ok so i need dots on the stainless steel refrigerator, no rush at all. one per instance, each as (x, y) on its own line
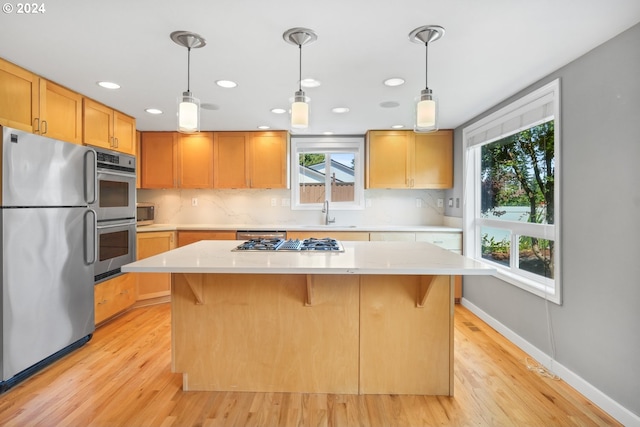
(47, 254)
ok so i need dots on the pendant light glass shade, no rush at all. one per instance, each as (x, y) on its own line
(300, 104)
(188, 113)
(188, 105)
(426, 112)
(299, 111)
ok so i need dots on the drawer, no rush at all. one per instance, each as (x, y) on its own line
(450, 241)
(114, 296)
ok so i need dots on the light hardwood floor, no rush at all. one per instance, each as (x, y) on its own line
(122, 377)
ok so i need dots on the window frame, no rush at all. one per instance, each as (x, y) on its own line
(328, 145)
(537, 107)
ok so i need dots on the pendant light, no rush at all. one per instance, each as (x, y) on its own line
(426, 118)
(300, 105)
(188, 105)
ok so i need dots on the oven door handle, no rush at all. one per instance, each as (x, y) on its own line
(91, 174)
(114, 173)
(127, 223)
(90, 233)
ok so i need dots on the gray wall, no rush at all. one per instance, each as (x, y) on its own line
(597, 328)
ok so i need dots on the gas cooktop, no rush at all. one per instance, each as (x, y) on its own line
(275, 244)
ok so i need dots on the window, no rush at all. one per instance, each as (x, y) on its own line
(512, 184)
(327, 168)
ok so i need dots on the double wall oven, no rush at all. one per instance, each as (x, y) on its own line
(115, 207)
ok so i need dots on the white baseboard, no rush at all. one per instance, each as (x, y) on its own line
(607, 404)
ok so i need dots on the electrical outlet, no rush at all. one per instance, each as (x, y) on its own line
(274, 201)
(418, 203)
(194, 201)
(440, 203)
(457, 202)
(451, 202)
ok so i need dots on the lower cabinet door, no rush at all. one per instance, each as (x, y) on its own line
(114, 296)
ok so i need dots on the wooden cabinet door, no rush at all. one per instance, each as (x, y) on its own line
(60, 112)
(188, 237)
(124, 133)
(114, 296)
(153, 285)
(230, 154)
(433, 160)
(158, 159)
(268, 160)
(19, 93)
(195, 158)
(97, 124)
(387, 154)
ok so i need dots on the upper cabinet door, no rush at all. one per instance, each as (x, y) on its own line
(98, 124)
(433, 165)
(60, 112)
(158, 159)
(230, 160)
(19, 93)
(195, 155)
(388, 157)
(268, 160)
(124, 133)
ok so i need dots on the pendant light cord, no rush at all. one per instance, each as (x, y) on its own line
(426, 65)
(188, 69)
(300, 69)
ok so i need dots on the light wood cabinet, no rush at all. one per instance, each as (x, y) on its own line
(188, 237)
(250, 159)
(114, 296)
(153, 285)
(19, 93)
(195, 158)
(60, 113)
(405, 159)
(158, 160)
(107, 128)
(36, 105)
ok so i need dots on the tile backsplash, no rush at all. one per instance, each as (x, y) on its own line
(255, 207)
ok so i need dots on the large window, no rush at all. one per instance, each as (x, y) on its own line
(512, 192)
(327, 168)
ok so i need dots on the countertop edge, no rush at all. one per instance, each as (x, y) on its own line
(292, 227)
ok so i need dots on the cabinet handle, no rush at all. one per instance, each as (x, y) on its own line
(104, 301)
(36, 125)
(46, 127)
(116, 141)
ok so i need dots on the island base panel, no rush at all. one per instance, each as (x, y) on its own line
(406, 348)
(254, 332)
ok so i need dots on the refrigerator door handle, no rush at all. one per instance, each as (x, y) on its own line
(91, 176)
(90, 237)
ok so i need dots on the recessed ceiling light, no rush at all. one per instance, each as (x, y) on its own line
(397, 126)
(394, 81)
(109, 85)
(264, 127)
(278, 110)
(340, 110)
(226, 83)
(389, 104)
(153, 111)
(309, 83)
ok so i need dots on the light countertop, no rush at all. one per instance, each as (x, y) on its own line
(398, 258)
(294, 227)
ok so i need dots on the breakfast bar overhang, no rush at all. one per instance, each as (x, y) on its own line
(374, 319)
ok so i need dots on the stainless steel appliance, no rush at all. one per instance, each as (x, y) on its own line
(47, 253)
(116, 186)
(115, 206)
(277, 244)
(145, 213)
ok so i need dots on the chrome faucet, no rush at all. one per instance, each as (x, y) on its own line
(325, 211)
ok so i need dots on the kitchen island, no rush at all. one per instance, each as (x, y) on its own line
(376, 318)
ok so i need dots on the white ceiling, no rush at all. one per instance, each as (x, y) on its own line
(491, 49)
